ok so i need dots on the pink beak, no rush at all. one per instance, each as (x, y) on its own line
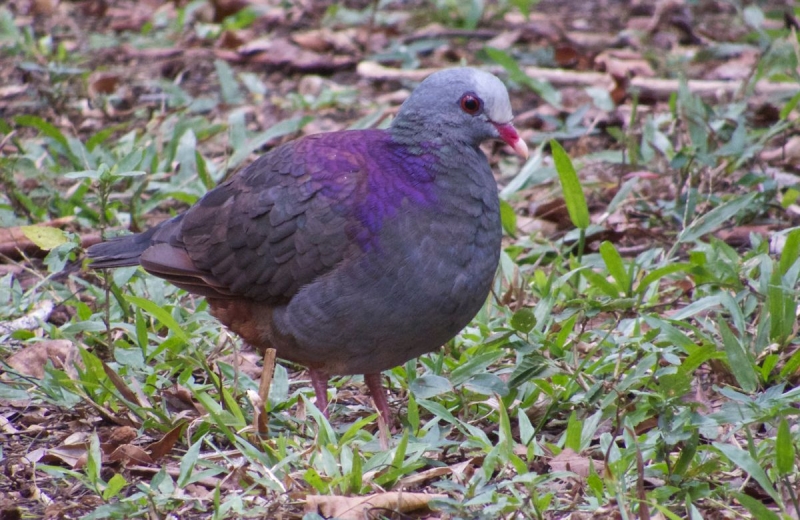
(509, 134)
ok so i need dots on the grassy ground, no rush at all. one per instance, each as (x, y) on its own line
(638, 357)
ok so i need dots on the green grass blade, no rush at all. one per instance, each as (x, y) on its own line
(571, 184)
(743, 460)
(791, 250)
(740, 363)
(712, 220)
(615, 266)
(160, 314)
(784, 449)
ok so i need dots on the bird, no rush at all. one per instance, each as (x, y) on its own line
(349, 252)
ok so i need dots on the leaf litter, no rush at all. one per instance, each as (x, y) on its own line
(603, 70)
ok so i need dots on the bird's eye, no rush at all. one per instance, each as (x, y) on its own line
(470, 104)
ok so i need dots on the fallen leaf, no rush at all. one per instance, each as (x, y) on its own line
(416, 479)
(566, 56)
(624, 64)
(736, 68)
(44, 7)
(554, 211)
(122, 435)
(789, 153)
(120, 385)
(355, 508)
(225, 8)
(128, 453)
(6, 426)
(280, 52)
(32, 359)
(317, 40)
(505, 39)
(8, 91)
(376, 71)
(739, 236)
(243, 361)
(70, 455)
(163, 446)
(103, 83)
(179, 399)
(568, 460)
(231, 39)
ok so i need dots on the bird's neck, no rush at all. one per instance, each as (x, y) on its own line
(421, 137)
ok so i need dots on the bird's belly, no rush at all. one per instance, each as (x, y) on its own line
(392, 304)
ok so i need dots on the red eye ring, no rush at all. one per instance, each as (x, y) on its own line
(470, 104)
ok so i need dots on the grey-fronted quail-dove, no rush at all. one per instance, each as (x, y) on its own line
(349, 252)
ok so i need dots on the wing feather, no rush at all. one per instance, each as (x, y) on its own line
(268, 231)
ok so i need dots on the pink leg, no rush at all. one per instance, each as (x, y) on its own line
(384, 415)
(319, 381)
(378, 395)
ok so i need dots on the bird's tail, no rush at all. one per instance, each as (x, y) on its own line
(125, 251)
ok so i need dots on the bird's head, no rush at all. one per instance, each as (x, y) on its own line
(467, 103)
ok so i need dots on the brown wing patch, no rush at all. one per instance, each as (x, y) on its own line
(174, 265)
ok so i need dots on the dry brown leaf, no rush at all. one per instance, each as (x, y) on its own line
(346, 40)
(230, 39)
(535, 226)
(646, 425)
(416, 479)
(141, 397)
(133, 16)
(355, 508)
(376, 71)
(44, 7)
(32, 359)
(624, 64)
(317, 40)
(55, 511)
(740, 235)
(164, 445)
(566, 56)
(201, 492)
(225, 8)
(245, 362)
(554, 210)
(154, 53)
(179, 399)
(120, 385)
(642, 174)
(94, 8)
(280, 52)
(103, 83)
(568, 460)
(8, 91)
(505, 39)
(788, 153)
(6, 426)
(128, 453)
(735, 68)
(122, 435)
(70, 455)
